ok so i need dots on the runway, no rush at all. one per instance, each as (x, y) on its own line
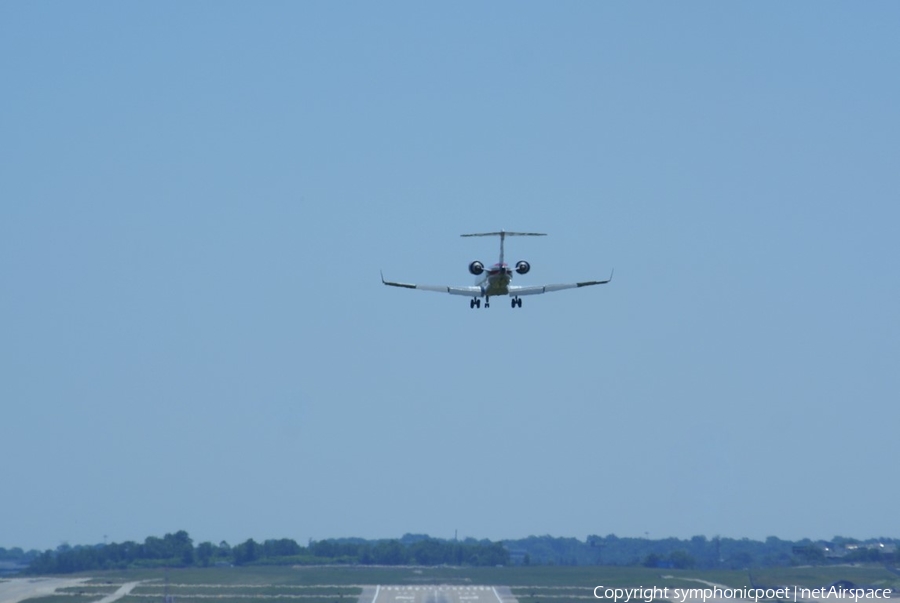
(436, 594)
(14, 590)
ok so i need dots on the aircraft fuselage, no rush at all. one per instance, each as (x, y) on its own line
(496, 280)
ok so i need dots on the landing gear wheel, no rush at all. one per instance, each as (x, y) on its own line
(471, 303)
(487, 303)
(516, 302)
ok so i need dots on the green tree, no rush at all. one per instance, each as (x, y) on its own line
(389, 553)
(682, 560)
(153, 548)
(284, 547)
(179, 546)
(205, 552)
(246, 552)
(430, 552)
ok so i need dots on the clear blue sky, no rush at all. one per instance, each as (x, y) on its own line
(196, 200)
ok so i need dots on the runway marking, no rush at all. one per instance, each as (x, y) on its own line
(434, 593)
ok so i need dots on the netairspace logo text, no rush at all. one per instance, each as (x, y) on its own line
(788, 593)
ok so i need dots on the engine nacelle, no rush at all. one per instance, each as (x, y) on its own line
(476, 267)
(522, 267)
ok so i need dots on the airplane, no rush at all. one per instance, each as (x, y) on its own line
(495, 280)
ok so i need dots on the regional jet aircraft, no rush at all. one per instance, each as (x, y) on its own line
(495, 280)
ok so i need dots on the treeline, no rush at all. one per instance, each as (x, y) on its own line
(178, 550)
(699, 552)
(17, 555)
(15, 559)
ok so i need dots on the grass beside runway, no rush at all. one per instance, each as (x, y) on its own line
(227, 597)
(343, 584)
(66, 598)
(815, 577)
(349, 576)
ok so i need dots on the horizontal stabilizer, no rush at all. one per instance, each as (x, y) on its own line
(503, 233)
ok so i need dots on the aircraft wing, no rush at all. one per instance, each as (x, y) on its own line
(467, 291)
(538, 289)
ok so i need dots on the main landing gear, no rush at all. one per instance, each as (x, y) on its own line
(476, 302)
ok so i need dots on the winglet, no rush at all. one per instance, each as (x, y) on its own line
(609, 279)
(382, 277)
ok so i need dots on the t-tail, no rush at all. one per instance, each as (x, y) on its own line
(503, 234)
